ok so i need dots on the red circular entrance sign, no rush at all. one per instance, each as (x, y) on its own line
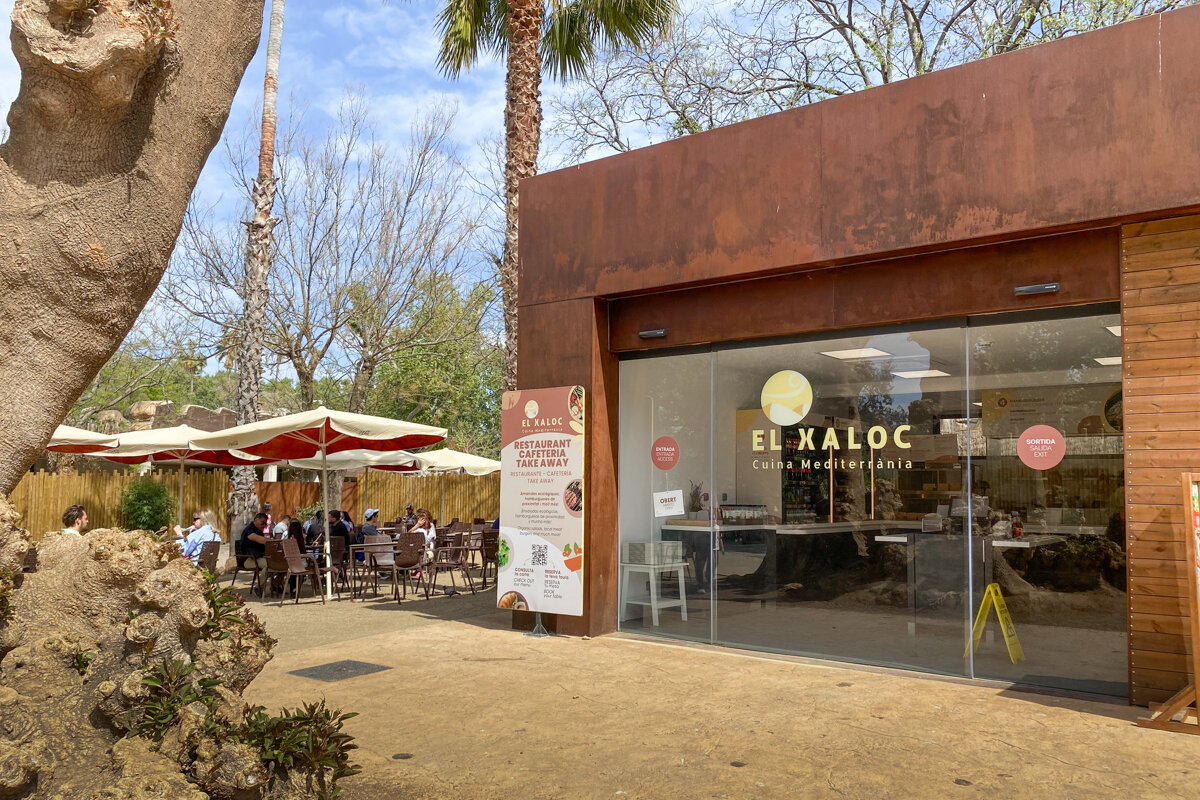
(664, 452)
(1041, 447)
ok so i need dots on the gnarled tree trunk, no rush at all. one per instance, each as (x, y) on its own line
(116, 115)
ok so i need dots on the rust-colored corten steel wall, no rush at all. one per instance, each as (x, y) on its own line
(1160, 354)
(1099, 127)
(931, 197)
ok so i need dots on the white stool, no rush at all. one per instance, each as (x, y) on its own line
(656, 602)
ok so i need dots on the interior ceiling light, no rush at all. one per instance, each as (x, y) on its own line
(861, 352)
(1109, 361)
(922, 373)
(1115, 330)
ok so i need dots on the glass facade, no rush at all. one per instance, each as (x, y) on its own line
(872, 496)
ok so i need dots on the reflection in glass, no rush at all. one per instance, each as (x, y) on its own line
(853, 497)
(665, 475)
(1054, 528)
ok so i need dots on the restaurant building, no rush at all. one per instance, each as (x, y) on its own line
(894, 348)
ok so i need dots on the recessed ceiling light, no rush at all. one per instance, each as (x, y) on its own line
(861, 352)
(1109, 361)
(1115, 330)
(922, 373)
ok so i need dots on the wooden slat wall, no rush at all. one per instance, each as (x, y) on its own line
(466, 496)
(1160, 342)
(41, 497)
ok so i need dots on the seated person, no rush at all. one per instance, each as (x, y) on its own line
(203, 529)
(423, 524)
(338, 526)
(296, 531)
(253, 543)
(280, 529)
(315, 525)
(409, 516)
(369, 526)
(74, 521)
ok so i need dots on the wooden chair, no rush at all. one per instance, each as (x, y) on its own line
(379, 558)
(209, 553)
(449, 558)
(239, 566)
(283, 559)
(338, 553)
(490, 550)
(291, 549)
(409, 558)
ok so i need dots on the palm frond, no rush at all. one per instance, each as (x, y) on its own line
(467, 28)
(575, 29)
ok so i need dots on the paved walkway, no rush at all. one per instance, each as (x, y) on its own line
(469, 709)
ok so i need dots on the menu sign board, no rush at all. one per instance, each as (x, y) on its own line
(540, 555)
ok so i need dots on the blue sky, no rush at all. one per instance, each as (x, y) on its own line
(387, 47)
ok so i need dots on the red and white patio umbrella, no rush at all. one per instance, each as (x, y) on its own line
(173, 445)
(321, 433)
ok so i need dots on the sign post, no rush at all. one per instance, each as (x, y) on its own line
(540, 554)
(1179, 714)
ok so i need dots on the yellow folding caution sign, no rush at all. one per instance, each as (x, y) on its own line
(992, 597)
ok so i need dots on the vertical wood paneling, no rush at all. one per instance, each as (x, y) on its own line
(447, 497)
(41, 497)
(1160, 359)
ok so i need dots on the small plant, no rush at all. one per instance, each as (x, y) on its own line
(172, 688)
(309, 738)
(225, 608)
(82, 659)
(308, 512)
(145, 505)
(6, 590)
(80, 13)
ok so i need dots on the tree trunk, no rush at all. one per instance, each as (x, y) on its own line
(523, 128)
(360, 384)
(108, 135)
(243, 499)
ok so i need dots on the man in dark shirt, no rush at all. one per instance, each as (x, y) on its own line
(253, 546)
(338, 525)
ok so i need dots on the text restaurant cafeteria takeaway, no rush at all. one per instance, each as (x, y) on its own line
(915, 356)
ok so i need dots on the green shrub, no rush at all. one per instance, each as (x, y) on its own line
(172, 688)
(146, 505)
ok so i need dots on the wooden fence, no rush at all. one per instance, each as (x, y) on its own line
(41, 497)
(446, 496)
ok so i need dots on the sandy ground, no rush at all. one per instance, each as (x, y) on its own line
(470, 709)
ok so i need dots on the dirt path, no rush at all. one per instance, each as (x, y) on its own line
(469, 709)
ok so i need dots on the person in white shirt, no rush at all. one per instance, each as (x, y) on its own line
(424, 525)
(281, 528)
(203, 529)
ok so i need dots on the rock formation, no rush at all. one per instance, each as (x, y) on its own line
(120, 674)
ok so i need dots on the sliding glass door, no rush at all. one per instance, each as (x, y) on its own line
(871, 496)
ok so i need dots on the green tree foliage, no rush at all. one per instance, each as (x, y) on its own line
(146, 505)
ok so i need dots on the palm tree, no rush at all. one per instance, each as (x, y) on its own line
(560, 35)
(243, 499)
